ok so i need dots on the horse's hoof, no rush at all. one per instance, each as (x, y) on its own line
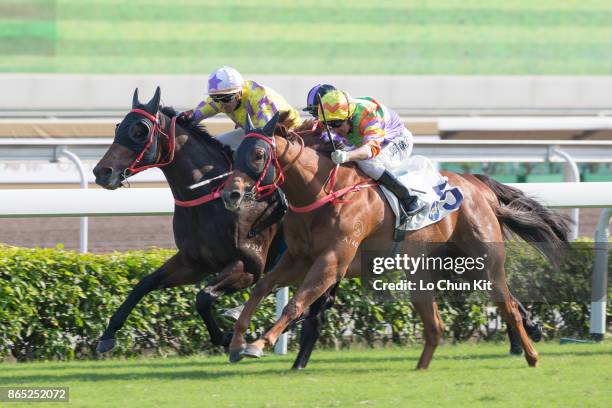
(235, 356)
(233, 313)
(518, 351)
(105, 345)
(252, 351)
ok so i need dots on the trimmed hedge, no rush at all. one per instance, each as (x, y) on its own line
(54, 304)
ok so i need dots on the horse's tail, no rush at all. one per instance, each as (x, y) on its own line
(545, 229)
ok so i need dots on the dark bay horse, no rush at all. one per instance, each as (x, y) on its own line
(211, 241)
(319, 255)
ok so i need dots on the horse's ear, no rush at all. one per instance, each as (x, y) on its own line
(248, 126)
(283, 131)
(268, 130)
(153, 105)
(135, 101)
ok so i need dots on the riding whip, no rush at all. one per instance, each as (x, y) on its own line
(329, 135)
(208, 181)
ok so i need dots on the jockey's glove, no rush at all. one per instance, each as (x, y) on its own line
(339, 156)
(184, 117)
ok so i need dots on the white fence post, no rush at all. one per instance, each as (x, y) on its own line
(84, 224)
(599, 286)
(570, 173)
(282, 296)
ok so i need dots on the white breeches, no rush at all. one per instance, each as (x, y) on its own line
(393, 157)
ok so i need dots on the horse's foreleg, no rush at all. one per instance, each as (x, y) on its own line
(283, 274)
(231, 279)
(433, 329)
(321, 276)
(175, 272)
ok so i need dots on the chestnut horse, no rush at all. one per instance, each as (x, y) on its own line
(318, 254)
(211, 241)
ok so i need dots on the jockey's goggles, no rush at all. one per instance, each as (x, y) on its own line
(223, 98)
(336, 123)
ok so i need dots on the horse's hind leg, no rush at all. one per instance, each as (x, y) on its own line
(433, 329)
(533, 329)
(311, 326)
(510, 313)
(232, 279)
(175, 272)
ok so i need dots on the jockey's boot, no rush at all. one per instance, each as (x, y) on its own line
(410, 203)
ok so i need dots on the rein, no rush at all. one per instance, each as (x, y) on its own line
(332, 197)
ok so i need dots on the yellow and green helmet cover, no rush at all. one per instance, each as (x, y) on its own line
(336, 105)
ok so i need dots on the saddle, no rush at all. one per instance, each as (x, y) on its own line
(440, 199)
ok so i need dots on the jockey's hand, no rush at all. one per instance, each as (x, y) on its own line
(339, 156)
(185, 117)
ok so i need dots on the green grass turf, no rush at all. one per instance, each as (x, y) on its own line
(464, 375)
(307, 37)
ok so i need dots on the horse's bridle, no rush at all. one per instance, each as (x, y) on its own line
(170, 143)
(259, 191)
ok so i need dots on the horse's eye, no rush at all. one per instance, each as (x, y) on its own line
(139, 132)
(259, 155)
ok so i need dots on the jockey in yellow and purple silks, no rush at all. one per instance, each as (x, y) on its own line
(376, 140)
(229, 93)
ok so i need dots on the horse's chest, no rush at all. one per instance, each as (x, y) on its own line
(307, 235)
(298, 235)
(209, 241)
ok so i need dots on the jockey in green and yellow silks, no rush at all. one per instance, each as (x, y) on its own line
(375, 138)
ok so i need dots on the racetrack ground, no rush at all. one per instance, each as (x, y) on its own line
(464, 375)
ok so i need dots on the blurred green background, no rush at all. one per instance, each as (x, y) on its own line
(307, 37)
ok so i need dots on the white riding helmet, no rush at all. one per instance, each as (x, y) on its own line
(225, 80)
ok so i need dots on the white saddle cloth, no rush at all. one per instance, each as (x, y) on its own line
(440, 199)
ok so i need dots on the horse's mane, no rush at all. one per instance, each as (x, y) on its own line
(194, 129)
(309, 125)
(311, 132)
(311, 135)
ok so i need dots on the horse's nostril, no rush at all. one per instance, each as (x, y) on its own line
(103, 173)
(235, 196)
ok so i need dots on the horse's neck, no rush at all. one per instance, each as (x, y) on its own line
(194, 160)
(305, 180)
